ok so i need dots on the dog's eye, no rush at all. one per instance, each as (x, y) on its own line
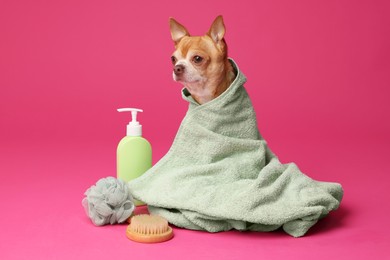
(173, 59)
(197, 59)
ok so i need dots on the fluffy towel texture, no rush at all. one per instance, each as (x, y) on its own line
(220, 174)
(109, 201)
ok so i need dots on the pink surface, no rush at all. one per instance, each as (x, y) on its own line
(318, 75)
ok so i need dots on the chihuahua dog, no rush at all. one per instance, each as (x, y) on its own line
(201, 62)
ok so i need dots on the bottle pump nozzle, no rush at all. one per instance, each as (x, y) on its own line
(133, 128)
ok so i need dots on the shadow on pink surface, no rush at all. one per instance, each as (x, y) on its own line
(336, 220)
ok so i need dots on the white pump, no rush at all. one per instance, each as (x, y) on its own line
(133, 128)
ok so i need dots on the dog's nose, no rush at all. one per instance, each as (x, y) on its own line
(179, 69)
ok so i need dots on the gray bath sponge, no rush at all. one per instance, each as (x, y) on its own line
(108, 201)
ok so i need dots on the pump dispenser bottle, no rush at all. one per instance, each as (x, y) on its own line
(134, 153)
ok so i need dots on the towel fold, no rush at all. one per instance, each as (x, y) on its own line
(219, 174)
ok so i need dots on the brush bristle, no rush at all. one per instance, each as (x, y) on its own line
(148, 224)
(149, 229)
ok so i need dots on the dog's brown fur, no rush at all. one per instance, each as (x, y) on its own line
(201, 62)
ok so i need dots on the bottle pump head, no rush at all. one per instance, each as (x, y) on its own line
(133, 128)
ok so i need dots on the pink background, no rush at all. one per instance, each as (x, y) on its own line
(318, 75)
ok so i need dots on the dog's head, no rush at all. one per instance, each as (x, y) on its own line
(199, 62)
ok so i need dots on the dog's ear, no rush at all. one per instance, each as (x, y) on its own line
(178, 31)
(217, 30)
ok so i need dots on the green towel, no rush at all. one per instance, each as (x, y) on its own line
(219, 174)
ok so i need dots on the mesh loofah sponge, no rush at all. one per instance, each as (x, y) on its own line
(108, 201)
